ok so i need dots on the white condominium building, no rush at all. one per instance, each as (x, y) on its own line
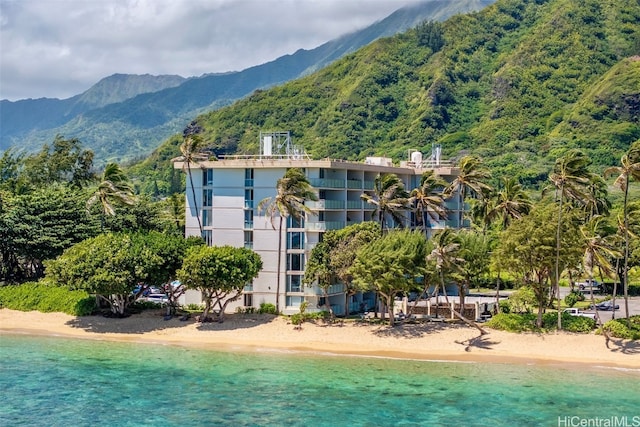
(227, 192)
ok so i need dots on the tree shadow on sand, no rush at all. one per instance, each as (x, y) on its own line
(479, 342)
(412, 330)
(154, 321)
(619, 345)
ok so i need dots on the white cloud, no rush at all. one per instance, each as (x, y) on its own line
(59, 48)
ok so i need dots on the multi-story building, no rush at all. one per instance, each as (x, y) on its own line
(227, 192)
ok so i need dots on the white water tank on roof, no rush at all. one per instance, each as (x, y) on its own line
(416, 158)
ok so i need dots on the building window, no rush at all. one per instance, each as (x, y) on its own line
(248, 177)
(248, 198)
(294, 283)
(207, 177)
(207, 218)
(294, 301)
(207, 235)
(248, 239)
(295, 262)
(248, 300)
(248, 219)
(207, 197)
(295, 240)
(295, 222)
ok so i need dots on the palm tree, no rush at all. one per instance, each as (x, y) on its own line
(598, 201)
(629, 169)
(114, 188)
(569, 177)
(511, 202)
(292, 190)
(428, 199)
(390, 199)
(598, 250)
(446, 246)
(190, 149)
(470, 180)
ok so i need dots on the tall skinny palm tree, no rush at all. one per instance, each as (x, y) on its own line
(390, 199)
(470, 180)
(292, 190)
(190, 149)
(629, 170)
(113, 189)
(429, 200)
(570, 177)
(511, 202)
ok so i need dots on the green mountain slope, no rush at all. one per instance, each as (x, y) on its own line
(505, 85)
(130, 126)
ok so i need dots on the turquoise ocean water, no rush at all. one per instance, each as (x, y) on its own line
(50, 381)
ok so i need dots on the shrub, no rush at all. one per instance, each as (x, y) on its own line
(267, 308)
(527, 322)
(573, 297)
(513, 322)
(46, 298)
(619, 328)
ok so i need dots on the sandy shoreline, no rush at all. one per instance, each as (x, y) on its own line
(431, 341)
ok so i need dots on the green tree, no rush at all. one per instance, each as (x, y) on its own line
(331, 259)
(292, 191)
(390, 199)
(470, 180)
(41, 224)
(627, 171)
(598, 250)
(64, 162)
(474, 250)
(429, 200)
(112, 265)
(390, 265)
(527, 249)
(220, 273)
(570, 177)
(113, 189)
(511, 202)
(446, 256)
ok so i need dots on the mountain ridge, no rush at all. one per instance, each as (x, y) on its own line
(132, 127)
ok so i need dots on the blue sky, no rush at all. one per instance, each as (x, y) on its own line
(60, 48)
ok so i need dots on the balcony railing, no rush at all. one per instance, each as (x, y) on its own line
(248, 204)
(248, 224)
(327, 183)
(248, 183)
(354, 204)
(324, 225)
(354, 184)
(368, 185)
(325, 204)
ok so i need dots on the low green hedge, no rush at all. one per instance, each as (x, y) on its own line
(620, 329)
(47, 299)
(527, 322)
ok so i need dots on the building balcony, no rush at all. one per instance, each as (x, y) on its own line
(248, 224)
(324, 225)
(354, 204)
(327, 183)
(248, 183)
(324, 204)
(248, 204)
(354, 184)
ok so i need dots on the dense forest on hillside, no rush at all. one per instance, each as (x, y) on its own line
(517, 83)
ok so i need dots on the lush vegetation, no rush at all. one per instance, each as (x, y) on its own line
(620, 328)
(517, 84)
(40, 296)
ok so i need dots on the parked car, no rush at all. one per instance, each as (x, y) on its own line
(606, 306)
(576, 312)
(589, 285)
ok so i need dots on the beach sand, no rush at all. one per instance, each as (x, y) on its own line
(428, 341)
